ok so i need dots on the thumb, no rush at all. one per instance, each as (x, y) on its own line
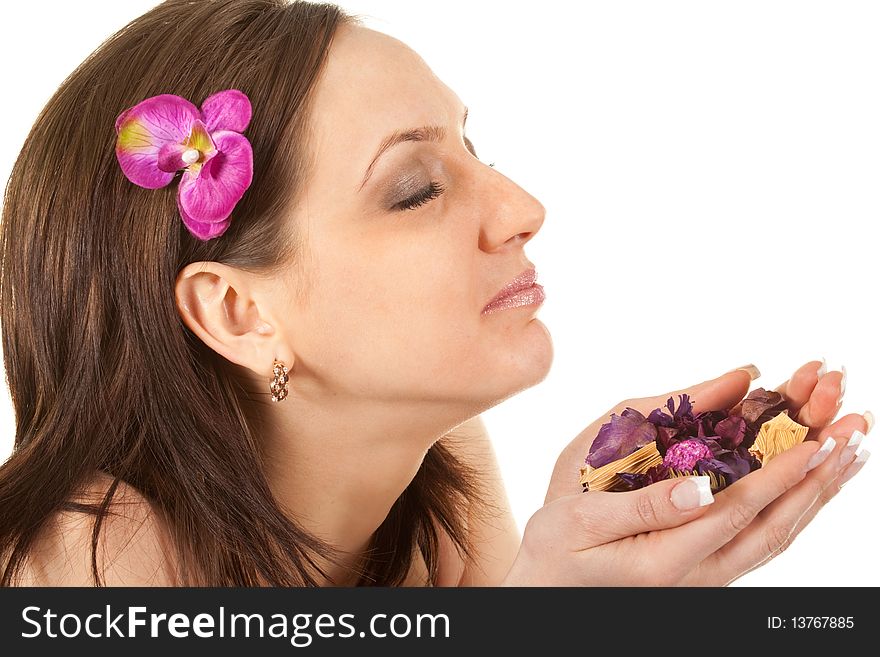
(610, 517)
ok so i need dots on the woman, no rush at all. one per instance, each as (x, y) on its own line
(372, 255)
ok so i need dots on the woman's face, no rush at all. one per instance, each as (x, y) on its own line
(394, 296)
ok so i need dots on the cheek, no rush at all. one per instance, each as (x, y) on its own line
(404, 312)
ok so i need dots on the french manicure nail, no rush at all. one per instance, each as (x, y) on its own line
(819, 457)
(842, 384)
(693, 492)
(855, 466)
(753, 371)
(869, 420)
(823, 368)
(850, 448)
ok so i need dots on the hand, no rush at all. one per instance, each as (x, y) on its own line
(661, 534)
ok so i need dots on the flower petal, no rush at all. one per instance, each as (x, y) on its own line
(200, 139)
(203, 231)
(757, 403)
(210, 195)
(620, 437)
(732, 430)
(171, 157)
(227, 110)
(142, 130)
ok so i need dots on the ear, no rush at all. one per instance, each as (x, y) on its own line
(220, 305)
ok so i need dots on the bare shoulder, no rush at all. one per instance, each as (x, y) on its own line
(494, 534)
(134, 547)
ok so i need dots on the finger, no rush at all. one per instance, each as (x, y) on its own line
(776, 527)
(822, 406)
(797, 390)
(720, 393)
(604, 516)
(739, 504)
(720, 568)
(813, 396)
(845, 427)
(853, 457)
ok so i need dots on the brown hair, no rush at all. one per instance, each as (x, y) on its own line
(103, 373)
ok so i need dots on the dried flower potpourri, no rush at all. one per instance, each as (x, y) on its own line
(632, 451)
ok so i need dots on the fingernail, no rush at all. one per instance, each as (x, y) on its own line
(823, 368)
(819, 457)
(869, 420)
(842, 384)
(693, 492)
(753, 371)
(855, 466)
(850, 448)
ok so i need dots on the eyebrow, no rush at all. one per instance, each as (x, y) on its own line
(424, 133)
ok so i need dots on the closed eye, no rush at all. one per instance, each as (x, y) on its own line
(434, 189)
(429, 193)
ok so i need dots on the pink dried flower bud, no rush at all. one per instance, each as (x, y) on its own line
(685, 454)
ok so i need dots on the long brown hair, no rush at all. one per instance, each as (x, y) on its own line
(104, 375)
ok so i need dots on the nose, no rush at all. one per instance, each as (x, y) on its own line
(512, 215)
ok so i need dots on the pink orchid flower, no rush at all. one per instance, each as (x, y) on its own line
(166, 133)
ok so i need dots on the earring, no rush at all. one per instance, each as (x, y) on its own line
(278, 386)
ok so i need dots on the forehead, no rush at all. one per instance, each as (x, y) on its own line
(373, 84)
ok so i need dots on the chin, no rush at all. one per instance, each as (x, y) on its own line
(521, 368)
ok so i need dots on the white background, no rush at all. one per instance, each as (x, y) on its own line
(710, 172)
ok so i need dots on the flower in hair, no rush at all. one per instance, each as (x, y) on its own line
(166, 133)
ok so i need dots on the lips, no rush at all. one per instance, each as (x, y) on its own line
(522, 290)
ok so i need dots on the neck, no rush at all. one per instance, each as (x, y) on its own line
(337, 465)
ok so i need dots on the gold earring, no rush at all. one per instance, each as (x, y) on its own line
(278, 386)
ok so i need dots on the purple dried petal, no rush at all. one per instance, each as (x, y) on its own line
(712, 442)
(731, 430)
(685, 408)
(719, 467)
(757, 403)
(731, 465)
(681, 417)
(666, 437)
(661, 419)
(680, 425)
(741, 461)
(707, 422)
(629, 481)
(620, 437)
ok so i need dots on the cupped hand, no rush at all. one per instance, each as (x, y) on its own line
(668, 533)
